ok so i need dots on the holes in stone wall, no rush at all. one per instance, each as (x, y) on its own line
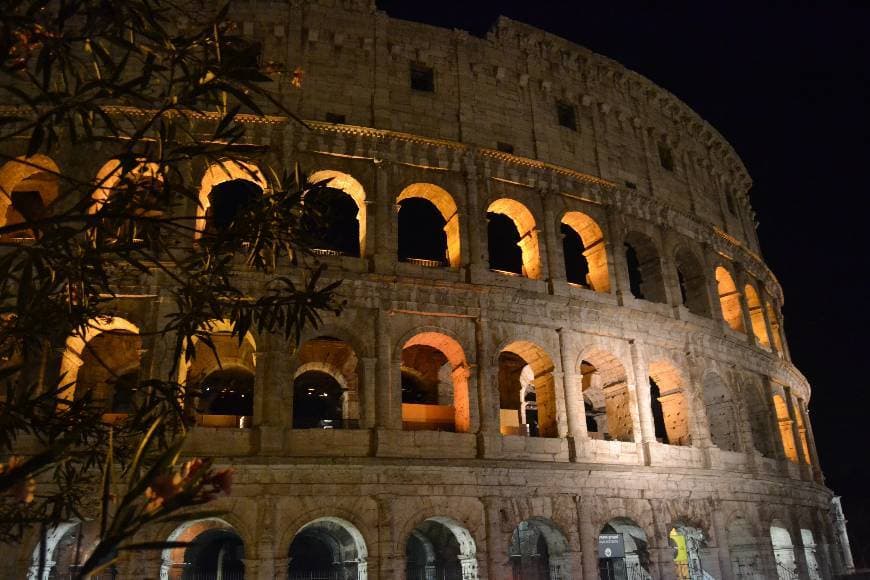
(721, 413)
(566, 115)
(422, 77)
(666, 157)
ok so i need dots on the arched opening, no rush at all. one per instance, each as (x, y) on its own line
(775, 328)
(670, 408)
(326, 385)
(693, 283)
(783, 552)
(606, 398)
(756, 316)
(512, 239)
(213, 550)
(785, 428)
(28, 188)
(814, 572)
(440, 548)
(329, 548)
(428, 226)
(342, 201)
(103, 364)
(757, 409)
(435, 394)
(539, 551)
(527, 392)
(585, 252)
(687, 542)
(746, 560)
(623, 551)
(220, 378)
(802, 431)
(729, 300)
(67, 547)
(227, 188)
(721, 413)
(644, 268)
(144, 194)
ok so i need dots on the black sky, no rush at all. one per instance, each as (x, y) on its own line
(789, 87)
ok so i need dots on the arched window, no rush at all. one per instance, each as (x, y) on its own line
(721, 413)
(693, 283)
(67, 547)
(785, 428)
(606, 397)
(512, 239)
(220, 378)
(143, 189)
(729, 299)
(644, 268)
(746, 560)
(103, 365)
(668, 398)
(428, 226)
(328, 548)
(28, 188)
(440, 548)
(326, 385)
(226, 189)
(527, 392)
(434, 384)
(341, 201)
(585, 252)
(775, 328)
(756, 316)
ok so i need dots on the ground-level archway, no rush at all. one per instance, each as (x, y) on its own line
(539, 551)
(213, 550)
(329, 548)
(783, 552)
(623, 551)
(441, 548)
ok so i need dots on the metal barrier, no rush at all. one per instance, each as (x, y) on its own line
(452, 571)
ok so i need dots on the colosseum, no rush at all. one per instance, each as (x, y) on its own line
(562, 355)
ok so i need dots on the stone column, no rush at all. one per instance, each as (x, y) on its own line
(487, 389)
(588, 537)
(368, 392)
(811, 441)
(384, 259)
(476, 235)
(803, 460)
(574, 408)
(622, 286)
(385, 412)
(642, 400)
(555, 260)
(778, 446)
(768, 324)
(744, 306)
(723, 552)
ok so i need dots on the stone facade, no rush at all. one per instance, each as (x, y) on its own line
(678, 412)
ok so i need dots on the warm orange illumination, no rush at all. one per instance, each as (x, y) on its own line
(445, 205)
(672, 397)
(606, 399)
(594, 248)
(37, 174)
(353, 188)
(525, 369)
(525, 224)
(756, 316)
(785, 428)
(217, 173)
(775, 328)
(729, 299)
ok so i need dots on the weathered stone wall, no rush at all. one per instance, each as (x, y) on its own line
(727, 475)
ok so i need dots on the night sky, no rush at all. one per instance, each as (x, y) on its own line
(789, 88)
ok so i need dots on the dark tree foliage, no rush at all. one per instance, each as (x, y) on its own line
(160, 86)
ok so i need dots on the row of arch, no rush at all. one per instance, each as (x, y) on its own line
(428, 233)
(440, 547)
(600, 399)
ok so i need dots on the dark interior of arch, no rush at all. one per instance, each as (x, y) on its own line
(26, 206)
(417, 390)
(503, 242)
(693, 284)
(317, 401)
(576, 264)
(635, 275)
(432, 548)
(227, 392)
(529, 553)
(333, 225)
(323, 550)
(215, 552)
(421, 231)
(228, 200)
(589, 410)
(658, 415)
(125, 392)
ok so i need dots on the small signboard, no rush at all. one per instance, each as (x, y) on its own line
(611, 546)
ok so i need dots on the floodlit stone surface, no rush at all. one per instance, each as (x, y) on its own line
(471, 414)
